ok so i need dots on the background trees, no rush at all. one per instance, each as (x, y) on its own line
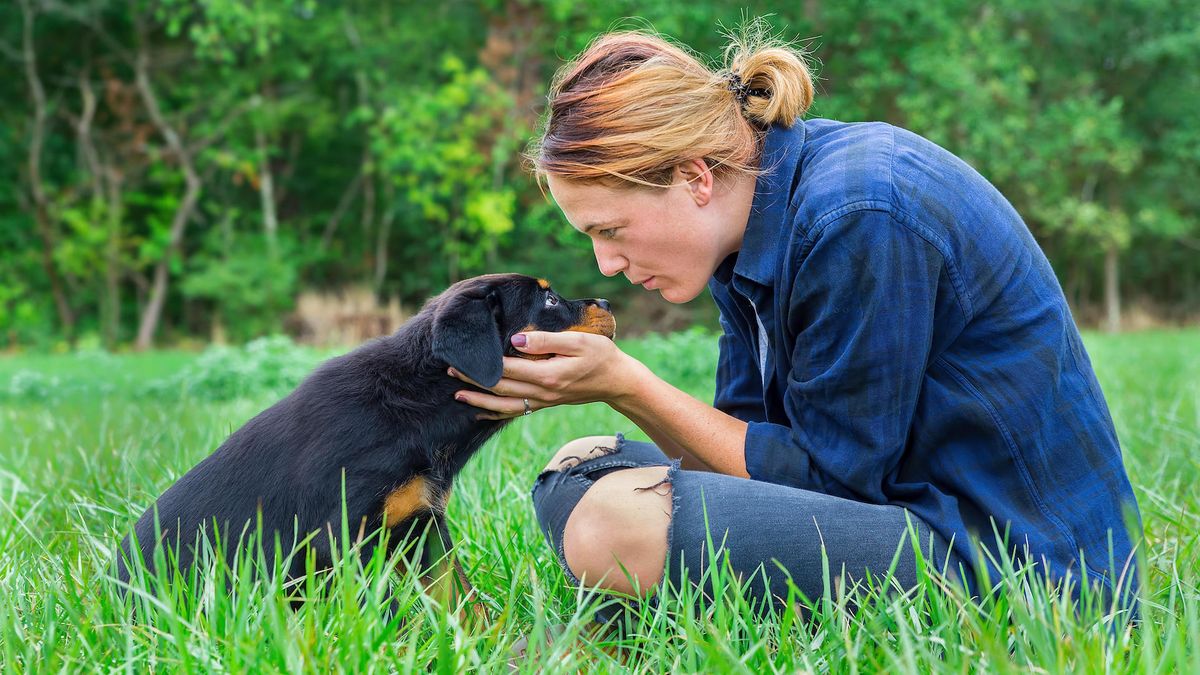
(170, 168)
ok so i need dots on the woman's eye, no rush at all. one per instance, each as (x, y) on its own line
(551, 301)
(609, 233)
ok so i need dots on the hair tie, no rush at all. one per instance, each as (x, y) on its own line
(742, 91)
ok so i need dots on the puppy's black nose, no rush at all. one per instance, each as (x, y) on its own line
(601, 303)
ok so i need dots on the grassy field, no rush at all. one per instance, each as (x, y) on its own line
(88, 440)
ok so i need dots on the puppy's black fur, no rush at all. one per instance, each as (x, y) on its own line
(383, 415)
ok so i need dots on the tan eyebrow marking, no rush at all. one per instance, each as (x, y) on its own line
(544, 284)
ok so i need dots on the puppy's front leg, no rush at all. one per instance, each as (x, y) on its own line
(444, 579)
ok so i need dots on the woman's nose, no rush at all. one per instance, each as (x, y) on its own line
(610, 263)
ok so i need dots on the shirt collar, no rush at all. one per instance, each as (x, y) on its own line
(767, 226)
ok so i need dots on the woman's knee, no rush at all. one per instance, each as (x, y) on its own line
(581, 450)
(617, 535)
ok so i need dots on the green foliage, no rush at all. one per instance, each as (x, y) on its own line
(378, 143)
(445, 148)
(21, 314)
(220, 28)
(31, 385)
(684, 358)
(249, 286)
(264, 367)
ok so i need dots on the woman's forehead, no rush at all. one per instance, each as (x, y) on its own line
(577, 193)
(586, 203)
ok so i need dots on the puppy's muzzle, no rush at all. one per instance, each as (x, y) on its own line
(597, 319)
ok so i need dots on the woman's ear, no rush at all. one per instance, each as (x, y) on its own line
(699, 179)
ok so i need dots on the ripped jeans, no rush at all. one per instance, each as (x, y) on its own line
(760, 526)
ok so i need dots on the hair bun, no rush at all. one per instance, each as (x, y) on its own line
(774, 75)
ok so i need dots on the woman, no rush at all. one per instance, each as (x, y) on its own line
(896, 347)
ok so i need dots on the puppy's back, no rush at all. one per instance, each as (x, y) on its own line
(264, 468)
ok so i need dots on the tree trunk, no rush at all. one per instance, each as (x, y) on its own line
(385, 228)
(105, 182)
(218, 329)
(368, 216)
(343, 205)
(41, 209)
(266, 192)
(1071, 287)
(152, 313)
(112, 262)
(1112, 295)
(158, 289)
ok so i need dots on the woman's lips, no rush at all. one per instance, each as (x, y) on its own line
(647, 282)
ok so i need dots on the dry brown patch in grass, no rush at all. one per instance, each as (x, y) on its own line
(348, 316)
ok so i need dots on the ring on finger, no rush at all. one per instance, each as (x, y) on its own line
(528, 410)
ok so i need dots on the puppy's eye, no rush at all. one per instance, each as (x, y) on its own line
(551, 301)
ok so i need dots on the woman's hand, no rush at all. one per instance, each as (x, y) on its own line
(585, 368)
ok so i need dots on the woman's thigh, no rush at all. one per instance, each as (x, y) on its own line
(769, 533)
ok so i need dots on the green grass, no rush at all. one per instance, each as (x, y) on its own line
(87, 441)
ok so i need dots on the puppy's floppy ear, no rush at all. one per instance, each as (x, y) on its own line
(466, 335)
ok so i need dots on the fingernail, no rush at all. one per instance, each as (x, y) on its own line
(460, 398)
(452, 372)
(519, 340)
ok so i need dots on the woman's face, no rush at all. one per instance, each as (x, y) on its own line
(670, 239)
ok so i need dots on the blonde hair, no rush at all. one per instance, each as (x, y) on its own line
(633, 105)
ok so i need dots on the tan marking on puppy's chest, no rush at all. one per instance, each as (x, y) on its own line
(406, 500)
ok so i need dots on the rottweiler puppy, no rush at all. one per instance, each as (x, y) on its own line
(381, 418)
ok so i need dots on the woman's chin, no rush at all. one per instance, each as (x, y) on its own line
(676, 295)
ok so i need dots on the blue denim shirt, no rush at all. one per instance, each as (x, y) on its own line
(894, 335)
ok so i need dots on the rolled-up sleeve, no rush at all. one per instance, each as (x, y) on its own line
(861, 308)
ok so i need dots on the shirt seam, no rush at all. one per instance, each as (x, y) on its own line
(965, 301)
(902, 219)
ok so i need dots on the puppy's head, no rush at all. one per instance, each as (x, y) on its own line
(474, 319)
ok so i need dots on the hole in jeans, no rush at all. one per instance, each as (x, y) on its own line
(603, 451)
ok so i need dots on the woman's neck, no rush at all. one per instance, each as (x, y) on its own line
(737, 198)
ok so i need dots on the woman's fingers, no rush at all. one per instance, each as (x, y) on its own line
(506, 387)
(453, 372)
(495, 407)
(541, 342)
(527, 370)
(544, 382)
(505, 400)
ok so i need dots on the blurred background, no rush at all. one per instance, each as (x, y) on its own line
(175, 173)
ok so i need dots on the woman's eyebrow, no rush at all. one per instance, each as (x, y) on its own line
(609, 223)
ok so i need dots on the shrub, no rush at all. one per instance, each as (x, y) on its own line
(269, 365)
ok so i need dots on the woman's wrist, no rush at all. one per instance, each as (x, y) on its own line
(631, 376)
